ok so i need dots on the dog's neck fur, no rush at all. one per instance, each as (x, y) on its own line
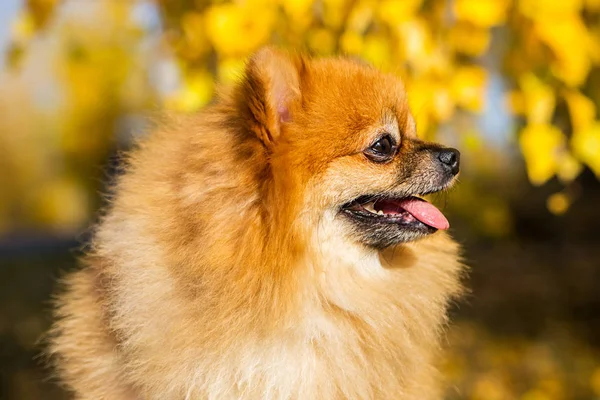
(355, 317)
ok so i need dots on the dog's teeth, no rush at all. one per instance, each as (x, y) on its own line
(380, 212)
(369, 207)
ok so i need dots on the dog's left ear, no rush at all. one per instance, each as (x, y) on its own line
(271, 92)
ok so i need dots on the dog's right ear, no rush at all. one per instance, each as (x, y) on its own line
(271, 92)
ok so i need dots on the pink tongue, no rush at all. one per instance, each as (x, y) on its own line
(425, 212)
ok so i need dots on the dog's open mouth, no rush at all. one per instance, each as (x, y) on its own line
(402, 211)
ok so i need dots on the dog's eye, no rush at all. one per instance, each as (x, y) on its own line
(382, 150)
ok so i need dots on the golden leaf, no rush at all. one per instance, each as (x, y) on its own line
(415, 40)
(570, 41)
(394, 12)
(321, 41)
(377, 49)
(297, 8)
(468, 87)
(558, 204)
(581, 109)
(443, 104)
(352, 43)
(235, 30)
(333, 13)
(586, 146)
(420, 102)
(469, 39)
(515, 101)
(361, 16)
(541, 145)
(568, 168)
(539, 99)
(195, 93)
(23, 27)
(196, 42)
(485, 13)
(545, 10)
(54, 195)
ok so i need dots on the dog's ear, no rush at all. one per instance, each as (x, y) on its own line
(271, 92)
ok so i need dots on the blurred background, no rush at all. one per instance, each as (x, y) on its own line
(514, 84)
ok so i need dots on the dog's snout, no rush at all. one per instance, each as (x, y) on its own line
(450, 158)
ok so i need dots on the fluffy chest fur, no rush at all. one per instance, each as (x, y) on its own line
(358, 325)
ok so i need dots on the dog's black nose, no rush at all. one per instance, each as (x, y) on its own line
(450, 158)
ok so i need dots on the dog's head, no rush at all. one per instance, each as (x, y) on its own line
(339, 136)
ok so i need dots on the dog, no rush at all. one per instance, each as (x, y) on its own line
(273, 246)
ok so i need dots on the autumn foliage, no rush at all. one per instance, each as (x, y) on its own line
(542, 57)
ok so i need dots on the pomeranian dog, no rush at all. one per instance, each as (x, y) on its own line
(272, 246)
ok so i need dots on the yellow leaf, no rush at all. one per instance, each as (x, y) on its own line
(558, 204)
(485, 13)
(63, 203)
(568, 168)
(544, 9)
(581, 109)
(195, 93)
(299, 11)
(297, 8)
(572, 68)
(321, 41)
(337, 4)
(443, 104)
(377, 50)
(570, 41)
(415, 39)
(436, 62)
(586, 146)
(469, 39)
(360, 16)
(235, 30)
(23, 27)
(352, 43)
(421, 102)
(468, 87)
(196, 42)
(541, 145)
(418, 48)
(393, 12)
(333, 13)
(223, 25)
(516, 102)
(539, 99)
